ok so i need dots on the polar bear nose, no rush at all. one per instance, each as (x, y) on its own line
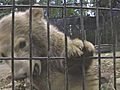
(36, 71)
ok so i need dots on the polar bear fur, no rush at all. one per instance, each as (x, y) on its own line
(78, 51)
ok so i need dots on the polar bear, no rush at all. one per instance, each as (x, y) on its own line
(78, 52)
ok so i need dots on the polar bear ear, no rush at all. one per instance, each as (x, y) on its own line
(37, 13)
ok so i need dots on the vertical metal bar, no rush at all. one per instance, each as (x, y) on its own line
(98, 38)
(82, 20)
(12, 42)
(48, 35)
(83, 38)
(66, 50)
(114, 42)
(30, 44)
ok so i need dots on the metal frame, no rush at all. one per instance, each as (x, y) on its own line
(81, 7)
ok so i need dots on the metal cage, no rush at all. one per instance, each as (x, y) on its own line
(101, 29)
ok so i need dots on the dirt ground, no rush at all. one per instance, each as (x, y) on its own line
(107, 74)
(6, 80)
(107, 71)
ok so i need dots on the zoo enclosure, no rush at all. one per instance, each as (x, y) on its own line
(100, 26)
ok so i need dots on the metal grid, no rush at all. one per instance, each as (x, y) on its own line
(64, 7)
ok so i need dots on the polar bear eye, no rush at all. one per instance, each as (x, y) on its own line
(22, 44)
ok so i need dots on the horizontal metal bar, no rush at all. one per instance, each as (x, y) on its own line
(35, 58)
(57, 6)
(53, 58)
